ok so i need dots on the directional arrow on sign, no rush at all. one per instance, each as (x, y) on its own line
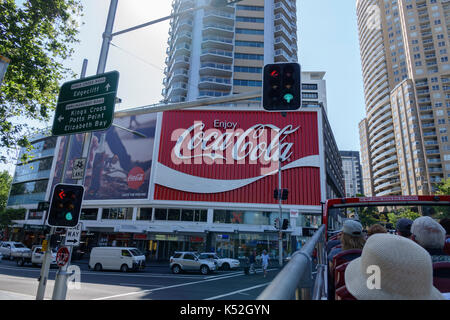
(61, 118)
(72, 241)
(107, 87)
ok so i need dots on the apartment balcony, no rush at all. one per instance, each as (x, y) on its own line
(422, 84)
(180, 62)
(427, 117)
(281, 19)
(393, 191)
(216, 69)
(433, 152)
(281, 43)
(215, 29)
(216, 56)
(178, 88)
(282, 56)
(219, 16)
(384, 162)
(427, 126)
(391, 183)
(384, 154)
(387, 169)
(429, 134)
(428, 143)
(217, 42)
(178, 75)
(180, 50)
(214, 83)
(280, 7)
(376, 145)
(389, 176)
(182, 37)
(280, 30)
(212, 94)
(434, 162)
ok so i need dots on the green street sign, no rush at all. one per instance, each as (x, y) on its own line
(86, 104)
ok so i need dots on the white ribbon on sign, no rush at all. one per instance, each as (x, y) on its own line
(177, 180)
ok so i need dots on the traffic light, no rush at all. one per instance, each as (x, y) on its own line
(276, 223)
(65, 205)
(285, 224)
(282, 87)
(284, 194)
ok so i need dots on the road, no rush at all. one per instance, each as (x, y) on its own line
(154, 283)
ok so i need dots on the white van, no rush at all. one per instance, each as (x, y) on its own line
(116, 258)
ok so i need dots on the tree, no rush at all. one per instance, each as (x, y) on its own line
(5, 184)
(369, 216)
(37, 36)
(444, 188)
(404, 213)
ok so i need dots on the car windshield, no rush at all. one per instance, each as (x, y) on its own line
(136, 252)
(19, 245)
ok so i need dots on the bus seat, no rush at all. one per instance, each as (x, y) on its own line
(346, 256)
(339, 275)
(343, 294)
(441, 276)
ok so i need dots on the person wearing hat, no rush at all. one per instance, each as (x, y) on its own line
(403, 227)
(429, 234)
(351, 238)
(391, 267)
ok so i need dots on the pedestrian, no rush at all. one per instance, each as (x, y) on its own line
(265, 262)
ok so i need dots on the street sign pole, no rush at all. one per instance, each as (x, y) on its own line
(280, 233)
(45, 267)
(60, 289)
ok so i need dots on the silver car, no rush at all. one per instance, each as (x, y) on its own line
(190, 261)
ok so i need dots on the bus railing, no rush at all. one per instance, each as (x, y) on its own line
(296, 280)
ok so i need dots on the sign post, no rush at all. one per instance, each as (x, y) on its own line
(86, 105)
(4, 63)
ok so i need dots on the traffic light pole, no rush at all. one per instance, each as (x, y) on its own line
(60, 289)
(280, 233)
(45, 268)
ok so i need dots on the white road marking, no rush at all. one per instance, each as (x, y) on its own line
(238, 291)
(139, 285)
(170, 287)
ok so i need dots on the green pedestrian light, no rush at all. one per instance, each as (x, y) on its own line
(288, 97)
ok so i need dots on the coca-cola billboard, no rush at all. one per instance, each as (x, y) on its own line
(233, 157)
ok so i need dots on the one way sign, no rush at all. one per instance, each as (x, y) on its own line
(73, 236)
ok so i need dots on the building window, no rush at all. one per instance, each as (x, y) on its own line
(88, 214)
(174, 215)
(117, 214)
(160, 214)
(144, 214)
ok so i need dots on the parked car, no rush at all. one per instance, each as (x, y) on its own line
(35, 257)
(190, 261)
(222, 263)
(116, 258)
(12, 249)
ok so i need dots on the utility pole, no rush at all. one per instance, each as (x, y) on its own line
(280, 232)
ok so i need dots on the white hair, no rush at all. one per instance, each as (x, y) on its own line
(428, 233)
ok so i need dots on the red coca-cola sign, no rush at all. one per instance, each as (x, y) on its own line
(135, 178)
(234, 156)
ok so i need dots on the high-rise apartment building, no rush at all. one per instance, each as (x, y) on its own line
(406, 71)
(216, 52)
(351, 167)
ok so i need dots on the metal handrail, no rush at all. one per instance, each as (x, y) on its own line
(295, 280)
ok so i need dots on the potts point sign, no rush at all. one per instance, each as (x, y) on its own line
(234, 156)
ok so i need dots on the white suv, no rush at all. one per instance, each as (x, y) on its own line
(190, 261)
(11, 249)
(222, 263)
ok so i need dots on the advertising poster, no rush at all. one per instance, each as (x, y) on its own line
(234, 156)
(120, 159)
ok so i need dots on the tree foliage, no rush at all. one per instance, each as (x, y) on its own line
(5, 184)
(37, 36)
(404, 213)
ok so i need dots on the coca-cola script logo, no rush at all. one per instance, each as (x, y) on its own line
(235, 156)
(135, 178)
(263, 143)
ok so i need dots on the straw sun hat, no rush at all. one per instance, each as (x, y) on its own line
(405, 271)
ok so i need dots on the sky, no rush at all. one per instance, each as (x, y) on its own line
(328, 41)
